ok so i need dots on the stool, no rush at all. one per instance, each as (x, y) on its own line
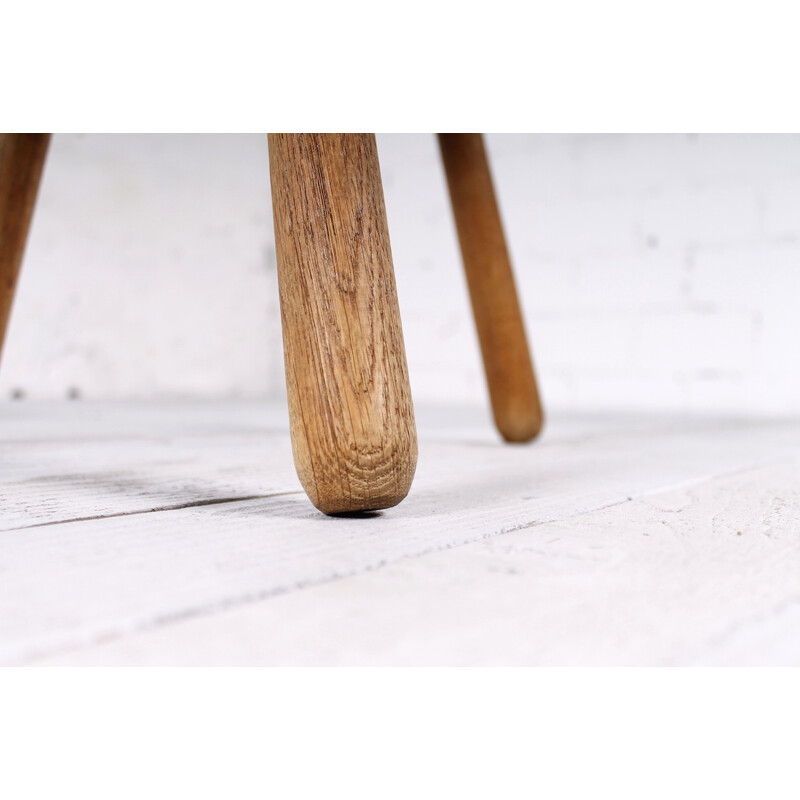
(351, 415)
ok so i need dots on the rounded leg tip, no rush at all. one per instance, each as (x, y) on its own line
(344, 503)
(350, 488)
(520, 430)
(354, 506)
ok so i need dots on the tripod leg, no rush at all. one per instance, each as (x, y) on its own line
(495, 305)
(21, 161)
(351, 416)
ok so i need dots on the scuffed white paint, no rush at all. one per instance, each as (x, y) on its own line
(616, 540)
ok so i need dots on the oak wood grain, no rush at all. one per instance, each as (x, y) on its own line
(507, 361)
(351, 415)
(21, 161)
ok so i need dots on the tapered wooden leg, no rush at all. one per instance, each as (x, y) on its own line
(21, 161)
(351, 416)
(498, 317)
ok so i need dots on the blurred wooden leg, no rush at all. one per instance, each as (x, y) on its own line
(351, 416)
(495, 305)
(21, 161)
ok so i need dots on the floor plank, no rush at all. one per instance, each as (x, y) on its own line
(704, 574)
(620, 582)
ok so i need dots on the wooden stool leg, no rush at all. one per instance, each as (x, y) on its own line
(351, 416)
(498, 317)
(21, 161)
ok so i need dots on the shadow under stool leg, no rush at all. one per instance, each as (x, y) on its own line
(21, 161)
(498, 317)
(352, 421)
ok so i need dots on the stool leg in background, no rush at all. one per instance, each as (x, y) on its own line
(21, 160)
(498, 318)
(351, 416)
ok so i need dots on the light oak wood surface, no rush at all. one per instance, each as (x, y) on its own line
(507, 361)
(351, 415)
(21, 161)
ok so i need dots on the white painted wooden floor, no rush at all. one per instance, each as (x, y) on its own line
(178, 534)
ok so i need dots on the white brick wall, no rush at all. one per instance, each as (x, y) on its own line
(656, 272)
(150, 272)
